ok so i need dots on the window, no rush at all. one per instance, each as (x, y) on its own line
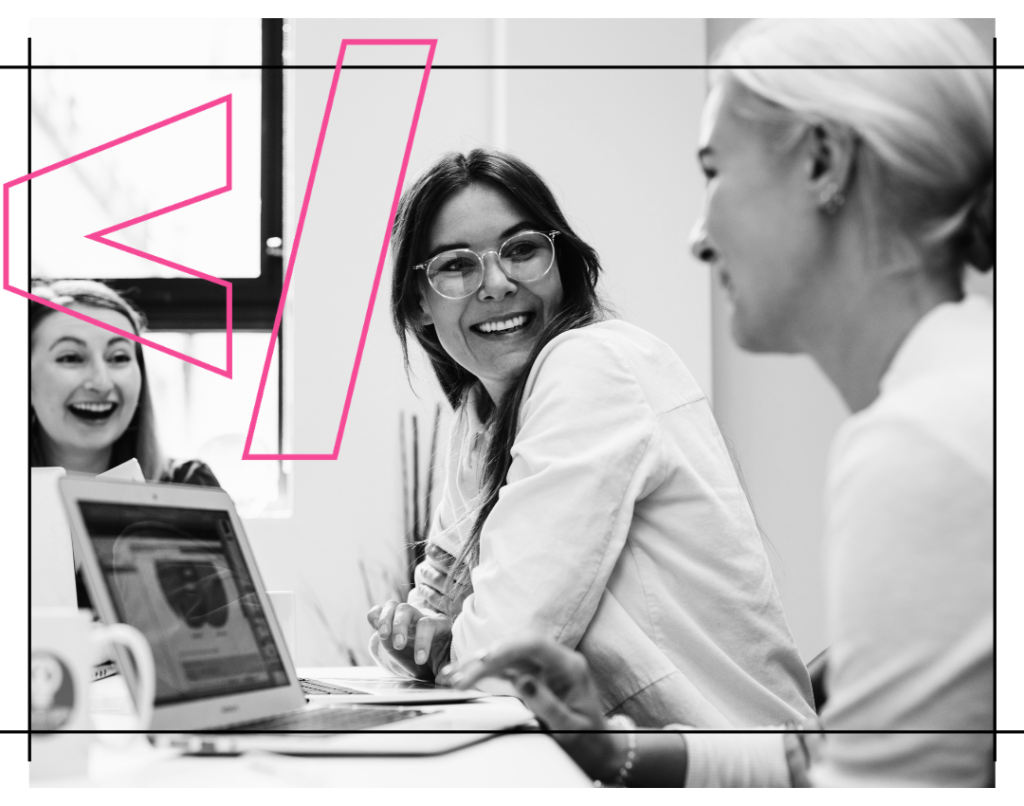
(94, 80)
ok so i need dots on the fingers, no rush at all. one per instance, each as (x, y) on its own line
(433, 598)
(551, 710)
(405, 619)
(531, 650)
(373, 615)
(439, 556)
(384, 618)
(430, 584)
(425, 630)
(531, 654)
(429, 576)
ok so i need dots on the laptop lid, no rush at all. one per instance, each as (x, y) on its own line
(173, 561)
(53, 562)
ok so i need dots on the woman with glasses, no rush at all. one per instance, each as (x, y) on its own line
(843, 205)
(588, 492)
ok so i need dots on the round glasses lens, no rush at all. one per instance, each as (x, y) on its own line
(527, 256)
(455, 273)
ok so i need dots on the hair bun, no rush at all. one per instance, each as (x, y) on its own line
(980, 229)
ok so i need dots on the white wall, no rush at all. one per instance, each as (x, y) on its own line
(617, 148)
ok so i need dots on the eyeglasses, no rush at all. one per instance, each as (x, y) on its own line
(457, 273)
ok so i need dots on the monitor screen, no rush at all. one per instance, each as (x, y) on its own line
(179, 577)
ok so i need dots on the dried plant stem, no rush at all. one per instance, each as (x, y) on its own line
(416, 508)
(366, 584)
(407, 526)
(430, 469)
(416, 479)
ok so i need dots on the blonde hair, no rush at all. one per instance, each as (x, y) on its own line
(139, 439)
(925, 137)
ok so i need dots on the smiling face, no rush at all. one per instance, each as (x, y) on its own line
(760, 231)
(86, 384)
(491, 332)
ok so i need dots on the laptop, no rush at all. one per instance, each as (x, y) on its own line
(54, 565)
(174, 562)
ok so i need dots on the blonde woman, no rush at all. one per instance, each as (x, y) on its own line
(91, 402)
(843, 204)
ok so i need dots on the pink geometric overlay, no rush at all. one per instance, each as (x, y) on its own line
(432, 43)
(100, 235)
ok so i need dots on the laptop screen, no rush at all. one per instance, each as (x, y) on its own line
(179, 577)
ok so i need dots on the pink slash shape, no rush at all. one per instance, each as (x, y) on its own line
(99, 236)
(246, 454)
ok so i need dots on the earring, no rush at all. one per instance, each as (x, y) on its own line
(831, 199)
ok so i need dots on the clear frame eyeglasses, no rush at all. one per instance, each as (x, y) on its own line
(525, 257)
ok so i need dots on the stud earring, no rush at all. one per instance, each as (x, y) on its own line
(831, 199)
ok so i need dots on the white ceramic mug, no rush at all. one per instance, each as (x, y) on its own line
(65, 647)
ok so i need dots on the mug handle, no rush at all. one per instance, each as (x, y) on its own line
(135, 642)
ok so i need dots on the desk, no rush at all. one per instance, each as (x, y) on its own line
(513, 760)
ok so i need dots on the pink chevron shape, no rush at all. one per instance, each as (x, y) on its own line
(246, 454)
(99, 236)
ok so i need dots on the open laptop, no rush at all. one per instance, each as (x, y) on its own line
(53, 565)
(174, 562)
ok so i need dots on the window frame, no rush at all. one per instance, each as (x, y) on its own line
(185, 304)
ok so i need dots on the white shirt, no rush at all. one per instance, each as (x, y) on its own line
(623, 532)
(909, 562)
(909, 569)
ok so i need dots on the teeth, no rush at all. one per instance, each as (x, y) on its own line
(97, 407)
(508, 324)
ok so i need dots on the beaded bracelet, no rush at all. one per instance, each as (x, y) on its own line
(621, 722)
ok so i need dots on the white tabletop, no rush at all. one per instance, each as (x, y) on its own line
(513, 760)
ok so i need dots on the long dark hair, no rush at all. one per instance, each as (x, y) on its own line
(578, 267)
(139, 438)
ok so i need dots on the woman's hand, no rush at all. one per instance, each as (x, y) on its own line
(430, 582)
(419, 643)
(556, 684)
(431, 578)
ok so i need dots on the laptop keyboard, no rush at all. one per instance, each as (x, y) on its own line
(350, 717)
(318, 687)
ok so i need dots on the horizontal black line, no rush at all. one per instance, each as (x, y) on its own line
(491, 67)
(809, 731)
(255, 732)
(752, 731)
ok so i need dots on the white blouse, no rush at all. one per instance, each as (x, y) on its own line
(909, 570)
(623, 531)
(909, 561)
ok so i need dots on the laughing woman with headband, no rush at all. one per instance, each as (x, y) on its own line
(842, 207)
(588, 492)
(91, 402)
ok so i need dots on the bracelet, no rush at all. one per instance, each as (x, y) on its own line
(621, 722)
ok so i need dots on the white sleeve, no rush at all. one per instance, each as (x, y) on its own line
(579, 463)
(909, 577)
(736, 760)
